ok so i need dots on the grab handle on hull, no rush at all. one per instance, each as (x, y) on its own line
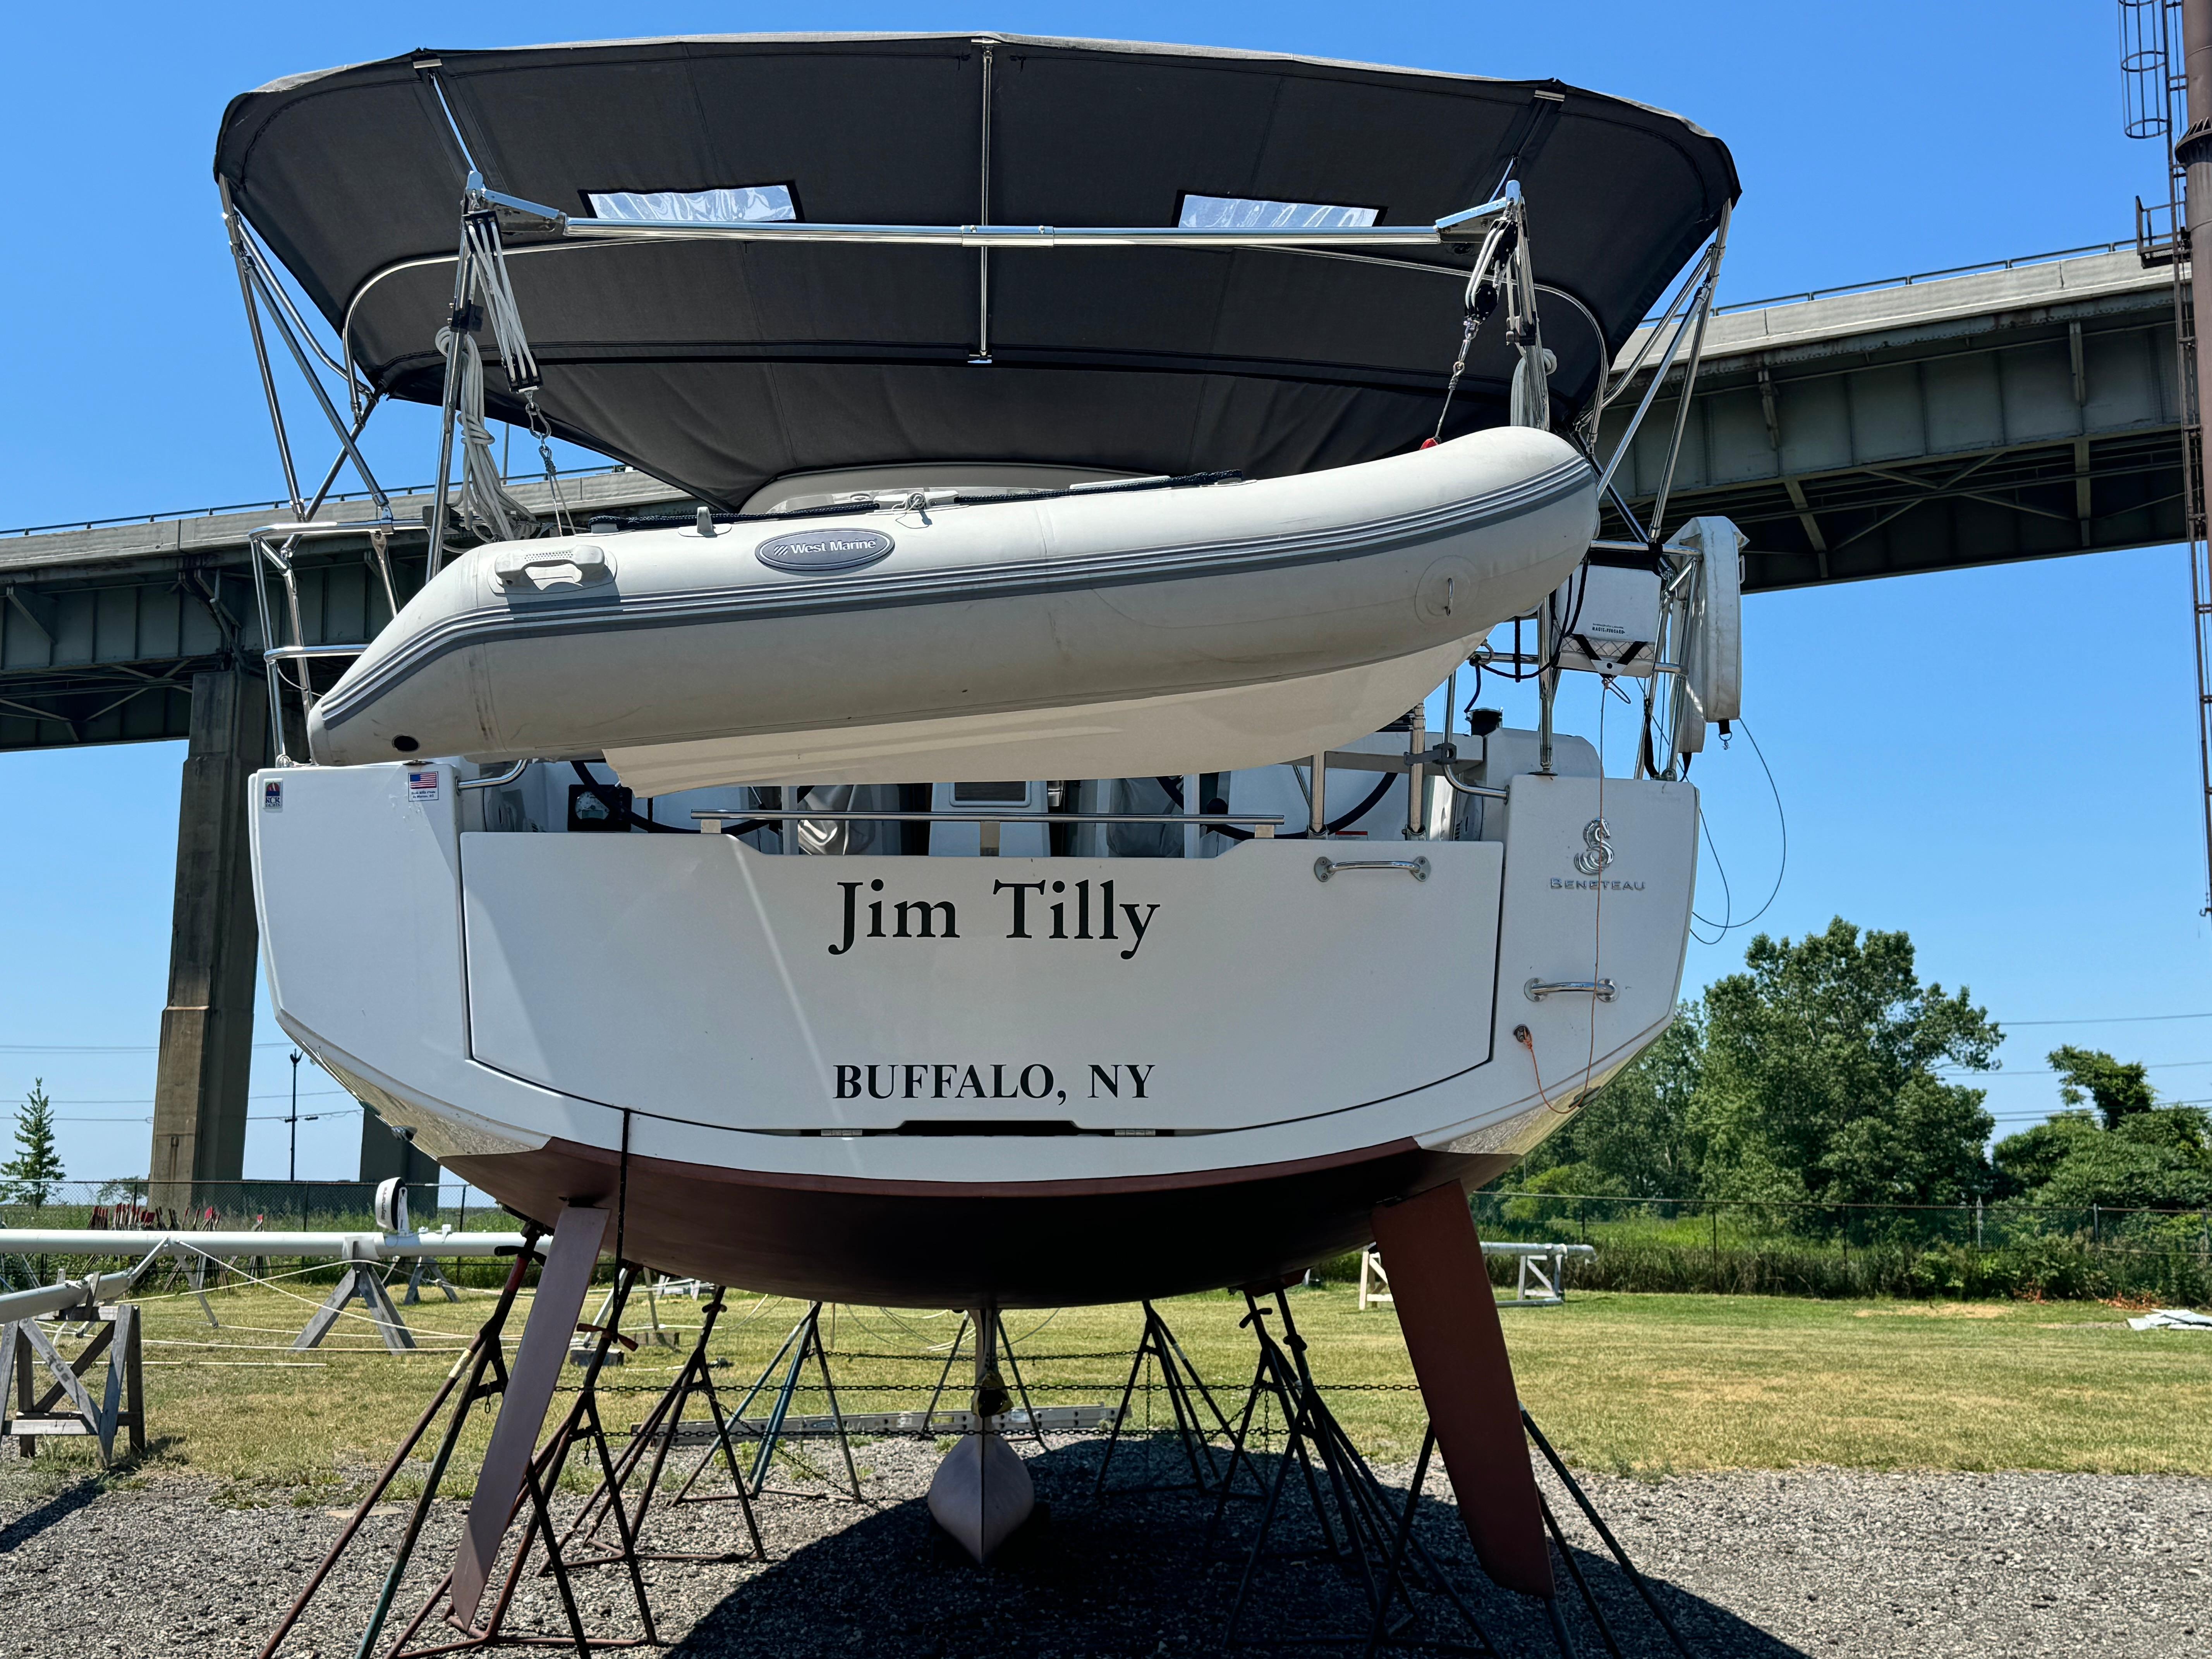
(571, 564)
(1603, 989)
(1324, 868)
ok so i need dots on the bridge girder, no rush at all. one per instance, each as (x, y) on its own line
(1932, 425)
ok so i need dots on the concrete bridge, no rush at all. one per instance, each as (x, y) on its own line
(2013, 411)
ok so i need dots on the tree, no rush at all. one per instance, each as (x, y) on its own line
(2154, 1160)
(1820, 1077)
(2027, 1161)
(2119, 1090)
(2144, 1156)
(1632, 1138)
(31, 1175)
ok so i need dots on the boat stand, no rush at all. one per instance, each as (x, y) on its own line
(659, 1434)
(804, 1342)
(1642, 1585)
(359, 1279)
(120, 1407)
(1001, 1347)
(482, 1374)
(427, 1272)
(1368, 1530)
(1187, 1392)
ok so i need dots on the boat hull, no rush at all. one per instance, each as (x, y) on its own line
(959, 1081)
(1011, 1244)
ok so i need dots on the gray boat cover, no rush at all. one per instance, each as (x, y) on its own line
(718, 365)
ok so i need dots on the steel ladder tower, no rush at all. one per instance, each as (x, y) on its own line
(2191, 158)
(2159, 99)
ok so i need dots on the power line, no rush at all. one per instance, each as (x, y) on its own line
(2104, 1019)
(2048, 1071)
(98, 1047)
(258, 1118)
(133, 1100)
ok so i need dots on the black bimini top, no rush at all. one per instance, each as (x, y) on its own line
(719, 365)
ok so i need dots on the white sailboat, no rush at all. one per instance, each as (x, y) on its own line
(1027, 885)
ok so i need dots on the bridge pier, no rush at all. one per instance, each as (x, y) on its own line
(207, 1028)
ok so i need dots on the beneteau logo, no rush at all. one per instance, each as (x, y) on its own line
(812, 551)
(1597, 848)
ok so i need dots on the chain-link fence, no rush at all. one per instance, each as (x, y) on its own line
(1715, 1245)
(2010, 1248)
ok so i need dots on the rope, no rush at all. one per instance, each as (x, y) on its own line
(1521, 1036)
(1597, 910)
(515, 355)
(488, 265)
(486, 508)
(1481, 299)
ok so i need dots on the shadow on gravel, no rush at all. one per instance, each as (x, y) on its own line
(1129, 1574)
(55, 1511)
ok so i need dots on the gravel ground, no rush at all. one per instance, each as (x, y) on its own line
(1752, 1563)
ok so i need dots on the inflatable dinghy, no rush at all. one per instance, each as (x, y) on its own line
(1157, 627)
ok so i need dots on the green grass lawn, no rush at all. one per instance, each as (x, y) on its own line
(1625, 1383)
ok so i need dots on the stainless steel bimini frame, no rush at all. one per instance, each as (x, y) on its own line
(1455, 227)
(480, 256)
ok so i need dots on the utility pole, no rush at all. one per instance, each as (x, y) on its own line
(292, 1159)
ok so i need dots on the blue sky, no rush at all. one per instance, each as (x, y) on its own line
(2001, 762)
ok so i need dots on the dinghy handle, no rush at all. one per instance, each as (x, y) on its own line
(590, 564)
(1324, 868)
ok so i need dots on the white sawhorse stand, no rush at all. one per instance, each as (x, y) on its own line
(1542, 1282)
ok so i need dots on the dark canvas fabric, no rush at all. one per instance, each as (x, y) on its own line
(718, 366)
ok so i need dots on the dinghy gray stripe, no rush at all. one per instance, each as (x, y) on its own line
(879, 589)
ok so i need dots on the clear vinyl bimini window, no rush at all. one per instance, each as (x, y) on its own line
(1254, 213)
(734, 205)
